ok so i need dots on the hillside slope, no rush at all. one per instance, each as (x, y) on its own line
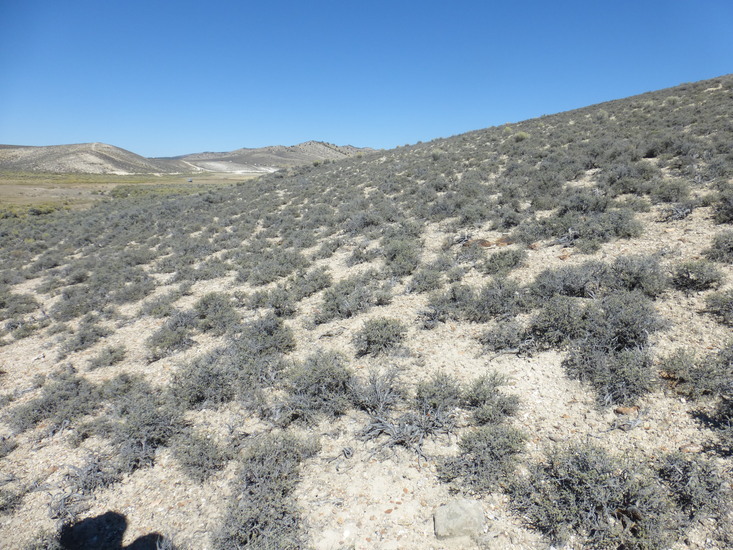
(100, 158)
(84, 158)
(267, 159)
(536, 317)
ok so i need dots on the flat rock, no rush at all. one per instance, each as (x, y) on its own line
(459, 518)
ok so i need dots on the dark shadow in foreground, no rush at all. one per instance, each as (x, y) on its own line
(105, 532)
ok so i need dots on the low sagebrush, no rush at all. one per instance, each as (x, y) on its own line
(379, 336)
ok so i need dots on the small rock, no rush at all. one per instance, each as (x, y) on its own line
(459, 518)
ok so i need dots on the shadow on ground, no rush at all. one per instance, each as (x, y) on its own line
(104, 532)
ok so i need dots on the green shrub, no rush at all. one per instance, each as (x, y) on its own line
(88, 334)
(721, 249)
(13, 305)
(379, 336)
(639, 272)
(581, 281)
(560, 321)
(724, 205)
(438, 394)
(307, 283)
(449, 304)
(402, 256)
(600, 500)
(161, 306)
(362, 254)
(350, 297)
(280, 300)
(503, 336)
(696, 276)
(487, 456)
(670, 190)
(273, 264)
(621, 320)
(497, 298)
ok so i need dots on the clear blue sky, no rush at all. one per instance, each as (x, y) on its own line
(171, 77)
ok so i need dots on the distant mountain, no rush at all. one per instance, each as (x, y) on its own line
(101, 158)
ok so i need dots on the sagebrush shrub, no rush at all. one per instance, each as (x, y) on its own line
(487, 404)
(64, 398)
(696, 276)
(378, 336)
(503, 336)
(216, 314)
(264, 513)
(174, 335)
(599, 499)
(425, 280)
(350, 297)
(323, 384)
(561, 320)
(503, 261)
(266, 335)
(639, 272)
(724, 205)
(88, 334)
(380, 392)
(206, 381)
(721, 249)
(140, 421)
(487, 456)
(111, 355)
(720, 304)
(198, 455)
(618, 377)
(402, 256)
(697, 487)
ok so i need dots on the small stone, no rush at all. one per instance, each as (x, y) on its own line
(459, 518)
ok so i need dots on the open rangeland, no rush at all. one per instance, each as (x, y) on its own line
(535, 318)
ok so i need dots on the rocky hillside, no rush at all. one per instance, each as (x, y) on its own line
(529, 324)
(100, 158)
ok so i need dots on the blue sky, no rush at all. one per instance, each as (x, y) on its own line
(164, 78)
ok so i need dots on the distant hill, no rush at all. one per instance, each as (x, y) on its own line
(269, 159)
(101, 158)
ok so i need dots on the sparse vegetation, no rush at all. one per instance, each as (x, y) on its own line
(211, 321)
(601, 500)
(379, 336)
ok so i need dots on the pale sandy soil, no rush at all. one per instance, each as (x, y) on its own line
(371, 500)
